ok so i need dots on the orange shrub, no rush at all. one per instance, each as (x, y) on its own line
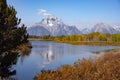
(105, 67)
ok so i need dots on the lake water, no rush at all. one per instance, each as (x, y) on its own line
(50, 55)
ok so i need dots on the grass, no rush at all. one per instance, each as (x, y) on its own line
(105, 67)
(110, 50)
(36, 39)
(100, 43)
(25, 48)
(105, 43)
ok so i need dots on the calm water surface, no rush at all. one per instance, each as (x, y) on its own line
(50, 55)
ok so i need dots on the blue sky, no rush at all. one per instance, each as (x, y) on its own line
(82, 13)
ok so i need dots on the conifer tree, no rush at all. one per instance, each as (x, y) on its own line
(11, 34)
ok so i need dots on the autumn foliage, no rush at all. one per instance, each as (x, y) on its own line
(105, 67)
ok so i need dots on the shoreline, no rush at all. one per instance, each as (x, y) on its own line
(100, 68)
(94, 43)
(31, 39)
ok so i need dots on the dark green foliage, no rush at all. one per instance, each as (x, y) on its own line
(9, 59)
(6, 63)
(11, 34)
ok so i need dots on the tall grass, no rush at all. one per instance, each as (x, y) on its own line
(105, 67)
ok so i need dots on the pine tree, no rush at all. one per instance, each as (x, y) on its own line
(11, 34)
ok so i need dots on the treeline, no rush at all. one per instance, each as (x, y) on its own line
(11, 34)
(94, 36)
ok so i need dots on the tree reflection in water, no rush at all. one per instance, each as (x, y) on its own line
(24, 54)
(8, 61)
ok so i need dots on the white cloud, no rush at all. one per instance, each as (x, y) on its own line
(40, 11)
(43, 12)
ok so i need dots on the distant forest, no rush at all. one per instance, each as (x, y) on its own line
(94, 36)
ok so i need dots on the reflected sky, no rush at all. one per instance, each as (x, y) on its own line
(50, 55)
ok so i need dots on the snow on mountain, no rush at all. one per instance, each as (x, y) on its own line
(103, 28)
(38, 31)
(86, 31)
(117, 28)
(51, 25)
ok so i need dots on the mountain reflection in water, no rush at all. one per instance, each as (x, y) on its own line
(50, 54)
(45, 55)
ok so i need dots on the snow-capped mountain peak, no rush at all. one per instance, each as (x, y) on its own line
(103, 28)
(49, 19)
(86, 31)
(54, 25)
(117, 28)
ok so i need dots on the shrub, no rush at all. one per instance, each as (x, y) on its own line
(105, 67)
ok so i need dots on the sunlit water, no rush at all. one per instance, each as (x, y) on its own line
(50, 55)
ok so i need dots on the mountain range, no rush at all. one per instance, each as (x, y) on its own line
(52, 25)
(102, 28)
